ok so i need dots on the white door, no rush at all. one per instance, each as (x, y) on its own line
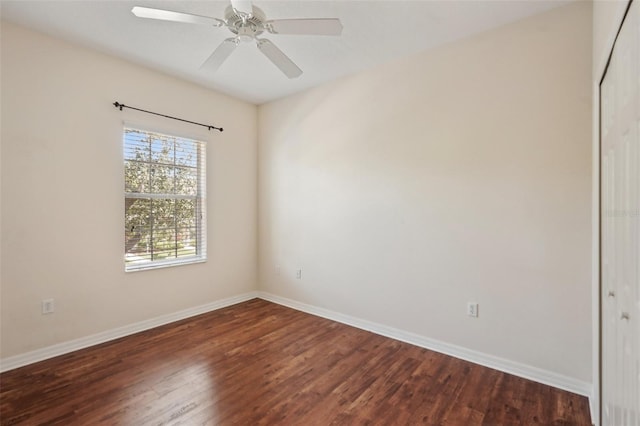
(620, 227)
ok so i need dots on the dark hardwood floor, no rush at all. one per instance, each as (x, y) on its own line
(258, 363)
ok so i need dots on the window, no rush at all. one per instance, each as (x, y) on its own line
(164, 200)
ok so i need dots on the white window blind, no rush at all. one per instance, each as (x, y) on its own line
(165, 199)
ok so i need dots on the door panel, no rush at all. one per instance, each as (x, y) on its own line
(620, 227)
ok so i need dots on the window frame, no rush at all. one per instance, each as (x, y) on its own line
(200, 198)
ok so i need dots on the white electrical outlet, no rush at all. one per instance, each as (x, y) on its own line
(299, 274)
(48, 306)
(472, 309)
(277, 269)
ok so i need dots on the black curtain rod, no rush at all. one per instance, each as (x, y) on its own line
(208, 126)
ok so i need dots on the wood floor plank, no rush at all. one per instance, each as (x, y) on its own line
(260, 363)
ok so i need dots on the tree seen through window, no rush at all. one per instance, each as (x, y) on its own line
(164, 191)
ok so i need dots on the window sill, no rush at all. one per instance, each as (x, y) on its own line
(163, 264)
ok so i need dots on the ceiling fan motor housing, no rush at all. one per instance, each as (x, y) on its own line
(246, 28)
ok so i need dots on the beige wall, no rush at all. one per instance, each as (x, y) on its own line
(460, 174)
(62, 193)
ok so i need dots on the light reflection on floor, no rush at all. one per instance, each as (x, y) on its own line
(178, 391)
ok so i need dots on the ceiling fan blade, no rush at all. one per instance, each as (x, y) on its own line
(320, 26)
(168, 15)
(278, 58)
(243, 6)
(221, 54)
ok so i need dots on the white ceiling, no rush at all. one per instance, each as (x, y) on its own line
(374, 32)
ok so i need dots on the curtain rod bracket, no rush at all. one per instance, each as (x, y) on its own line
(208, 126)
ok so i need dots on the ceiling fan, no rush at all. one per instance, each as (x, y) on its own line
(247, 22)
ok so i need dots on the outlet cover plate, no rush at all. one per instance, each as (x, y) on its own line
(48, 306)
(472, 309)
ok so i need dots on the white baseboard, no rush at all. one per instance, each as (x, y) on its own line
(501, 364)
(517, 369)
(73, 345)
